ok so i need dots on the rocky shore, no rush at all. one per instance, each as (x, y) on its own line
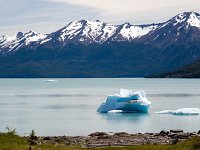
(103, 139)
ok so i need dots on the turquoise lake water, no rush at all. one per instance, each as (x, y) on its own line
(68, 106)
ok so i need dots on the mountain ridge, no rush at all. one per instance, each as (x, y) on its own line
(99, 49)
(87, 32)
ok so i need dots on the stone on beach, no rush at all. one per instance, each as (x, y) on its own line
(164, 133)
(198, 132)
(176, 130)
(121, 134)
(98, 134)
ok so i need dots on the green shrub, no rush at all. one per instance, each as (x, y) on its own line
(11, 131)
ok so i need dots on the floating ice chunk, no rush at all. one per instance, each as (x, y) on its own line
(127, 101)
(182, 111)
(50, 80)
(164, 112)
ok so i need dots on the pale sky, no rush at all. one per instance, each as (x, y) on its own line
(46, 16)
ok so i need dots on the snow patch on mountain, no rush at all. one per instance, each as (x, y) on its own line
(96, 31)
(130, 32)
(194, 20)
(186, 19)
(33, 37)
(87, 31)
(13, 43)
(70, 31)
(179, 19)
(190, 18)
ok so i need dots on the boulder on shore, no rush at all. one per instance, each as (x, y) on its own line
(164, 133)
(98, 134)
(121, 134)
(176, 130)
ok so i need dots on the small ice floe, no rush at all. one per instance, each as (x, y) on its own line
(126, 101)
(182, 111)
(50, 80)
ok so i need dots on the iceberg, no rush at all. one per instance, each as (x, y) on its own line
(126, 101)
(182, 111)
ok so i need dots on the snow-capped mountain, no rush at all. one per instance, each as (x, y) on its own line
(98, 49)
(128, 32)
(13, 43)
(186, 19)
(181, 28)
(90, 32)
(84, 31)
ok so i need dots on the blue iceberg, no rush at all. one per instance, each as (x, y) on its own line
(126, 101)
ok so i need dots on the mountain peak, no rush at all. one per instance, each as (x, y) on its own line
(127, 24)
(194, 20)
(189, 18)
(184, 20)
(189, 13)
(32, 32)
(20, 35)
(84, 22)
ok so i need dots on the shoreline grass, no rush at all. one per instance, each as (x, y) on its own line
(15, 142)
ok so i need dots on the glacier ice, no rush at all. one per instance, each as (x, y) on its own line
(182, 111)
(126, 101)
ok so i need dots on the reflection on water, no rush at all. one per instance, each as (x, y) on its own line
(125, 117)
(69, 106)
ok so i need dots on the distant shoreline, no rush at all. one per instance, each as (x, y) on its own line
(94, 78)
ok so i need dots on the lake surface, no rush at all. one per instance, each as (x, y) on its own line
(68, 106)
